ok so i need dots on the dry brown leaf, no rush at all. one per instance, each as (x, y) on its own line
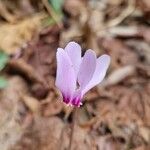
(13, 115)
(14, 36)
(44, 134)
(22, 67)
(108, 143)
(32, 103)
(81, 139)
(142, 147)
(52, 108)
(145, 133)
(118, 75)
(121, 54)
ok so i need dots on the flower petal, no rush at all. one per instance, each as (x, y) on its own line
(87, 68)
(102, 65)
(73, 50)
(65, 78)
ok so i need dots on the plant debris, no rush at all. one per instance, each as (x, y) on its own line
(114, 115)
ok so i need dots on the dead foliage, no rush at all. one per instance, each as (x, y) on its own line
(114, 115)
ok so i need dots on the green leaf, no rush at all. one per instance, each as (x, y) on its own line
(3, 59)
(57, 5)
(3, 82)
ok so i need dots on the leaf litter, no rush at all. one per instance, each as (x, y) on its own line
(114, 115)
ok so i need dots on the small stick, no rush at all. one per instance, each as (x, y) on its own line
(73, 128)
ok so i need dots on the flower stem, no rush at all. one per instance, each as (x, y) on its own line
(73, 128)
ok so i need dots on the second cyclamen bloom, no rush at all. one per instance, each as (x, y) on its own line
(76, 75)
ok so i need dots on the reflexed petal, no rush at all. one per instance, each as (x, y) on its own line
(73, 49)
(65, 78)
(87, 68)
(102, 65)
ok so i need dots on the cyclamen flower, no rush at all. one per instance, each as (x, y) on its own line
(76, 75)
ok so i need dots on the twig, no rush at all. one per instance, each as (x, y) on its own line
(127, 12)
(26, 69)
(124, 31)
(5, 13)
(73, 128)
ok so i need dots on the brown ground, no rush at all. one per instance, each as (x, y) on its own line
(115, 115)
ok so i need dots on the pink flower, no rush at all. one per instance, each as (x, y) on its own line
(76, 75)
